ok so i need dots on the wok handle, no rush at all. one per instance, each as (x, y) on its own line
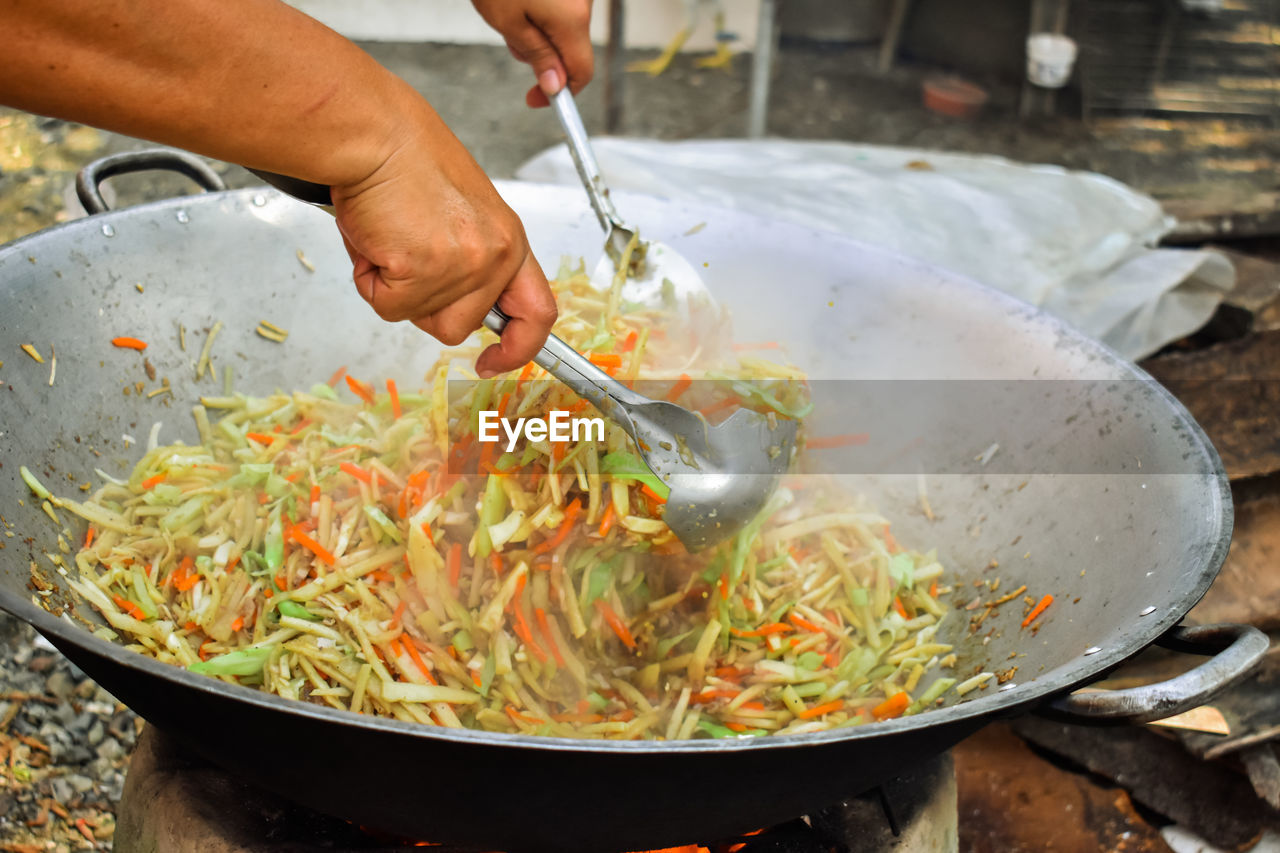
(90, 178)
(1235, 649)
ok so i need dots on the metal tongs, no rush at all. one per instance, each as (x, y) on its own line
(720, 476)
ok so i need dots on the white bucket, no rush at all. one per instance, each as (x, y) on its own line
(1049, 59)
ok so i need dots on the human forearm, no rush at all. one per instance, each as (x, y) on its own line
(249, 81)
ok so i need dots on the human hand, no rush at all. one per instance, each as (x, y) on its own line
(551, 35)
(432, 242)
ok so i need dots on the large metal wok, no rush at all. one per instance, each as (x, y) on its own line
(1126, 551)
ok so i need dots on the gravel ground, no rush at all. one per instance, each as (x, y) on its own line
(64, 749)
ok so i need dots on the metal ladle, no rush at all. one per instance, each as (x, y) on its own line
(653, 265)
(720, 476)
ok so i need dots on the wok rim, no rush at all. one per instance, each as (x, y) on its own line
(1079, 671)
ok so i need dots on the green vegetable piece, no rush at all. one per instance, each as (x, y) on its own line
(254, 563)
(858, 597)
(184, 515)
(277, 486)
(601, 577)
(381, 522)
(486, 674)
(322, 390)
(273, 545)
(628, 466)
(665, 646)
(295, 610)
(903, 570)
(462, 641)
(718, 731)
(810, 689)
(810, 660)
(506, 461)
(492, 509)
(37, 488)
(143, 594)
(597, 702)
(751, 391)
(163, 494)
(240, 662)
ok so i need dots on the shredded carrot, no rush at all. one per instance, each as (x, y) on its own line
(395, 399)
(570, 517)
(723, 585)
(626, 715)
(763, 630)
(88, 536)
(735, 727)
(152, 482)
(1041, 606)
(184, 579)
(190, 626)
(823, 709)
(897, 605)
(524, 375)
(302, 424)
(129, 607)
(523, 632)
(383, 576)
(522, 718)
(411, 647)
(606, 359)
(315, 493)
(398, 613)
(357, 472)
(238, 623)
(455, 563)
(337, 376)
(360, 389)
(892, 707)
(933, 589)
(607, 522)
(804, 623)
(680, 387)
(129, 343)
(619, 627)
(826, 442)
(890, 543)
(314, 547)
(629, 343)
(540, 616)
(652, 495)
(426, 530)
(495, 560)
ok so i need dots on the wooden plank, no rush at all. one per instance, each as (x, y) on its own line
(1013, 801)
(1233, 390)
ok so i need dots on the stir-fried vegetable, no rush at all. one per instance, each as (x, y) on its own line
(375, 555)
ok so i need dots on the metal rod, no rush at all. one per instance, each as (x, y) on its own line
(761, 69)
(584, 159)
(892, 35)
(615, 67)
